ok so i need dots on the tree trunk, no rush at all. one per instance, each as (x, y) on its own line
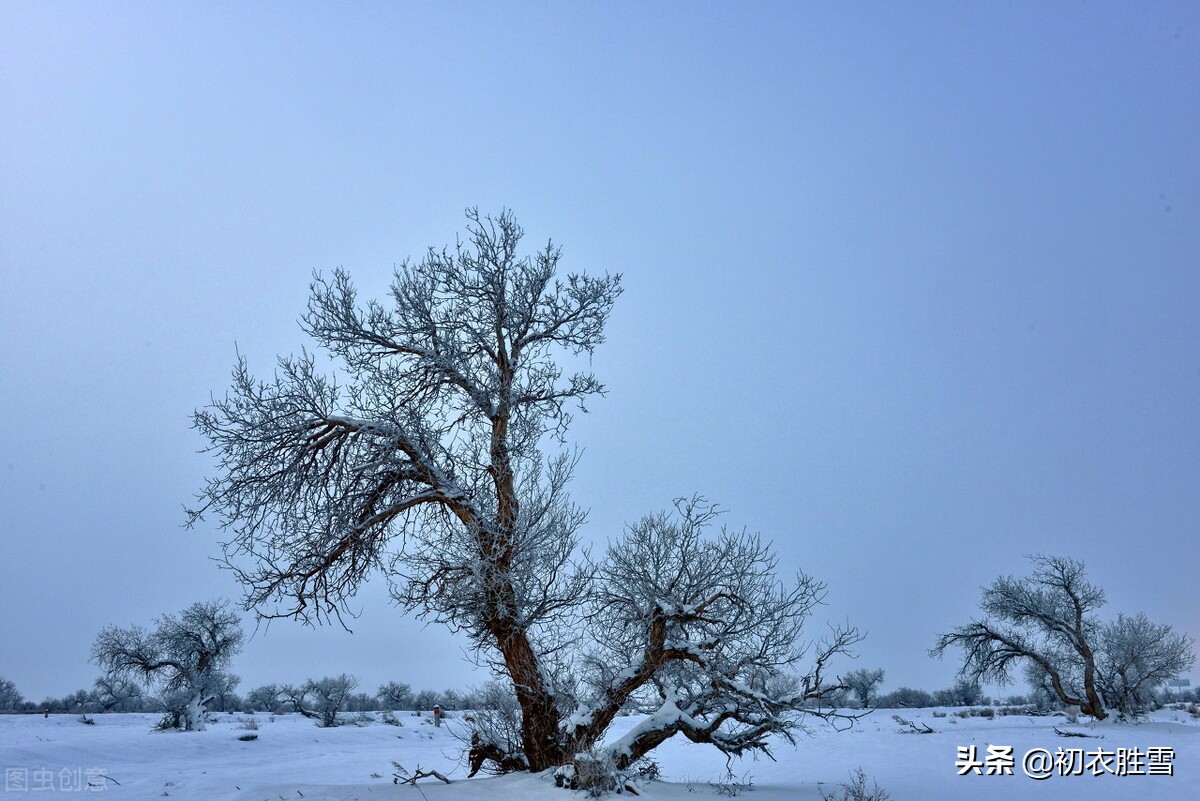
(193, 715)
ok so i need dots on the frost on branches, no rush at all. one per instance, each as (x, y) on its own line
(185, 657)
(426, 463)
(1047, 624)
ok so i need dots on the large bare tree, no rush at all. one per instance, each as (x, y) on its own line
(1046, 623)
(420, 455)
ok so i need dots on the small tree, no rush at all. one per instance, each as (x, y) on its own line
(1047, 623)
(329, 696)
(185, 657)
(863, 683)
(10, 699)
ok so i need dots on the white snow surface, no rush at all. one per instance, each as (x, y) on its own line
(294, 759)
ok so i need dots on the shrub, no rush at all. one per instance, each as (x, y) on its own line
(856, 790)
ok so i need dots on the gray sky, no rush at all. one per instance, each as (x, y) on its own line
(911, 291)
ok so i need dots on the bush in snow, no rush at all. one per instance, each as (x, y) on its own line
(905, 698)
(856, 790)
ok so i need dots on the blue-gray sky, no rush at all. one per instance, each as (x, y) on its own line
(911, 289)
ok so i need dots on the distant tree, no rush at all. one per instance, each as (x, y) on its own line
(76, 702)
(329, 696)
(396, 695)
(863, 683)
(905, 698)
(427, 462)
(264, 698)
(10, 699)
(425, 699)
(470, 699)
(184, 657)
(118, 694)
(296, 697)
(451, 699)
(361, 702)
(225, 697)
(1047, 623)
(964, 692)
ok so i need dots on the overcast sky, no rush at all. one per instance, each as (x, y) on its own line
(911, 289)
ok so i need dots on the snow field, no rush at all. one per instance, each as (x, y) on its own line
(294, 759)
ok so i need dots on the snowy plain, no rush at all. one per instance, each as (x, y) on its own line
(294, 759)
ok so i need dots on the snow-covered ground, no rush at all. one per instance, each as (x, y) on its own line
(294, 759)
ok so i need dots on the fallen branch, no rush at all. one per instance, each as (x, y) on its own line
(402, 776)
(1062, 733)
(921, 729)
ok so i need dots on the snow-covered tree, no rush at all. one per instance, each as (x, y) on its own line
(116, 693)
(361, 702)
(425, 699)
(329, 696)
(700, 627)
(264, 698)
(1046, 623)
(1136, 658)
(296, 698)
(184, 658)
(864, 684)
(421, 456)
(964, 692)
(10, 699)
(396, 695)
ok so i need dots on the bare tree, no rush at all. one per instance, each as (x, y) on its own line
(330, 695)
(965, 692)
(297, 698)
(701, 628)
(1047, 624)
(425, 699)
(863, 683)
(263, 699)
(10, 698)
(396, 695)
(118, 694)
(426, 463)
(1137, 657)
(185, 657)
